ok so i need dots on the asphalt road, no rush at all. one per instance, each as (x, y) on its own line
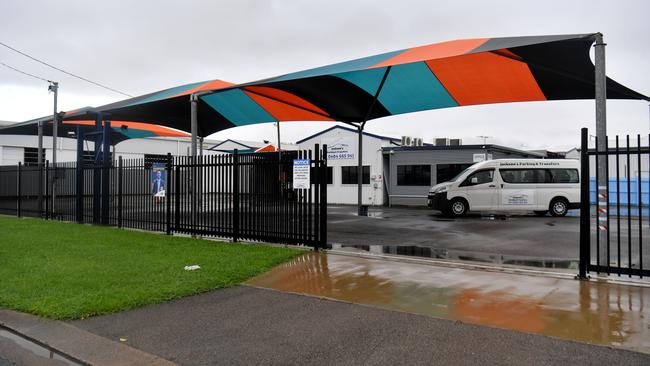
(250, 326)
(518, 239)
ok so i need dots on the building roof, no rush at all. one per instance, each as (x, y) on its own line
(349, 130)
(497, 148)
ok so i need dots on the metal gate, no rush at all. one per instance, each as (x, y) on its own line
(613, 224)
(250, 196)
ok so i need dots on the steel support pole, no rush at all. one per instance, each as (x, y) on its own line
(601, 134)
(41, 176)
(360, 212)
(193, 152)
(79, 186)
(54, 87)
(106, 171)
(360, 127)
(97, 173)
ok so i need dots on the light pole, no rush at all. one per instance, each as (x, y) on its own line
(54, 87)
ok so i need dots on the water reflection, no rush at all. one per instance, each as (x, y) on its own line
(442, 253)
(591, 312)
(19, 350)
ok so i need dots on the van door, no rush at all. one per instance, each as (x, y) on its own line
(481, 190)
(518, 189)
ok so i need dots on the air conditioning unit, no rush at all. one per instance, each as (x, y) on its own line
(418, 141)
(441, 142)
(407, 141)
(455, 142)
(404, 140)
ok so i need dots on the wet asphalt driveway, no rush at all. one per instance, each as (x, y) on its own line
(551, 242)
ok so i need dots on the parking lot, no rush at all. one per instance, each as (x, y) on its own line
(551, 242)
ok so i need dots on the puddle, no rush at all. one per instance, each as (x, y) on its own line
(592, 312)
(450, 254)
(24, 351)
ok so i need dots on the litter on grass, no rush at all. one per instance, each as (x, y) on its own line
(193, 267)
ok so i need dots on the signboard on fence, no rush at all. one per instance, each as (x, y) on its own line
(301, 178)
(158, 179)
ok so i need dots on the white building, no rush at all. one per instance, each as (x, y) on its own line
(342, 164)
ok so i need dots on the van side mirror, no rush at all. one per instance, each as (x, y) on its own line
(474, 180)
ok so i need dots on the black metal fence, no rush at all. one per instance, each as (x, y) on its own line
(612, 217)
(247, 196)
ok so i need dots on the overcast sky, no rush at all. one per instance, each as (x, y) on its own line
(143, 46)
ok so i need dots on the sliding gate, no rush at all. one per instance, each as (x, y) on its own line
(614, 218)
(250, 196)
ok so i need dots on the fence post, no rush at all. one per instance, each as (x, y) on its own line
(120, 168)
(323, 199)
(80, 176)
(235, 195)
(19, 190)
(47, 190)
(585, 235)
(177, 196)
(168, 195)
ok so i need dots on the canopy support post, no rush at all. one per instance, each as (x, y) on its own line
(194, 100)
(360, 126)
(601, 133)
(106, 171)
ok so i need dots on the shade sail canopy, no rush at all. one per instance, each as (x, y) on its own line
(120, 130)
(442, 75)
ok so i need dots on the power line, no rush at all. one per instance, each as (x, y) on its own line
(65, 72)
(24, 72)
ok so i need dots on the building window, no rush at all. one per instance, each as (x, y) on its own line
(330, 175)
(414, 175)
(30, 156)
(89, 156)
(446, 172)
(349, 174)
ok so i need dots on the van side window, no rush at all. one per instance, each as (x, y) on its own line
(527, 176)
(480, 177)
(564, 175)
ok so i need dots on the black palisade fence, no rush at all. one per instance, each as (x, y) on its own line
(242, 196)
(614, 224)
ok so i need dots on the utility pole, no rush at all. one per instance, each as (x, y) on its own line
(54, 87)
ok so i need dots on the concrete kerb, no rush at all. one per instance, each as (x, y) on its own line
(75, 344)
(502, 268)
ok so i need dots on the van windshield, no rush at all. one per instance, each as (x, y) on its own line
(459, 174)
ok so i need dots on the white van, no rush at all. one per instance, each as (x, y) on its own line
(511, 185)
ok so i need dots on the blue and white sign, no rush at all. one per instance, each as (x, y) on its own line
(301, 170)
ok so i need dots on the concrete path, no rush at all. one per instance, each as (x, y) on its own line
(251, 326)
(29, 340)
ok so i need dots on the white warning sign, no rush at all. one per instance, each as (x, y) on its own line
(301, 168)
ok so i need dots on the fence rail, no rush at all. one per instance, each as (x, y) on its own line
(240, 196)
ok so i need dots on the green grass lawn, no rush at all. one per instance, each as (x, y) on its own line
(69, 271)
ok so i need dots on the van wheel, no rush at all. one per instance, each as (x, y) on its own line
(458, 207)
(540, 213)
(559, 207)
